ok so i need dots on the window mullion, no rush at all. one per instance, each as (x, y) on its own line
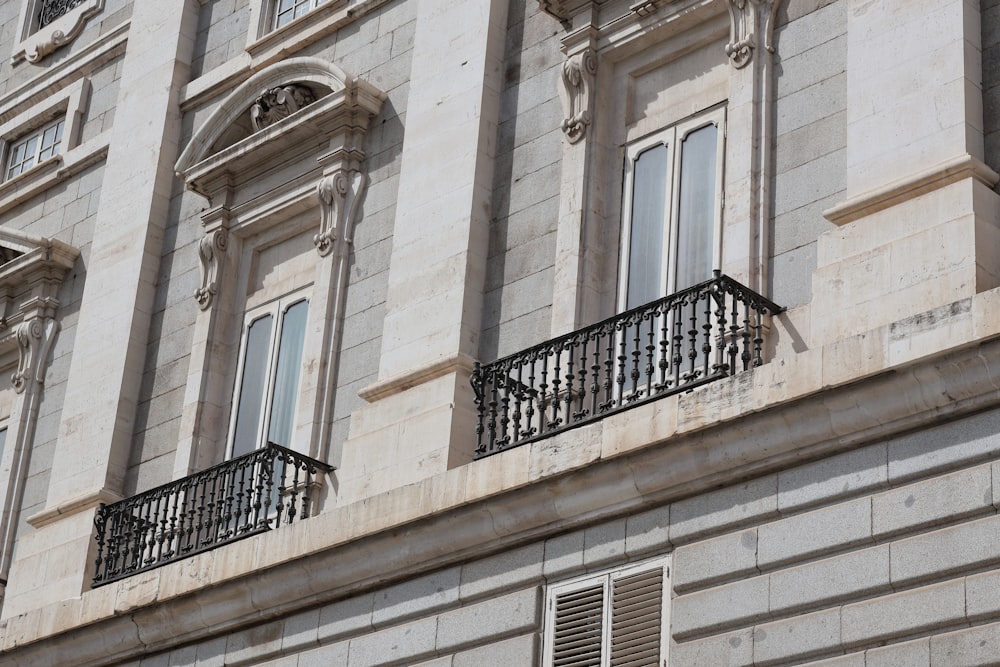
(278, 312)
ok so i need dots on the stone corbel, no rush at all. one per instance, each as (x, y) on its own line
(59, 32)
(211, 254)
(339, 193)
(578, 74)
(749, 20)
(34, 340)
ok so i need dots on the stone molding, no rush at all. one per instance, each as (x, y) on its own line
(940, 175)
(579, 72)
(36, 44)
(460, 363)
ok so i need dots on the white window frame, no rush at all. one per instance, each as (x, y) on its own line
(276, 12)
(277, 309)
(41, 150)
(606, 580)
(672, 136)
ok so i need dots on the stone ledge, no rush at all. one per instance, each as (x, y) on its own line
(352, 548)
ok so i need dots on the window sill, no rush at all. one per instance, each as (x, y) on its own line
(35, 46)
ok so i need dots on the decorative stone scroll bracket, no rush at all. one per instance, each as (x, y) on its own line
(37, 44)
(34, 340)
(339, 193)
(576, 92)
(748, 20)
(211, 254)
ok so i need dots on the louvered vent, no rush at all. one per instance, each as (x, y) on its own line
(577, 639)
(636, 608)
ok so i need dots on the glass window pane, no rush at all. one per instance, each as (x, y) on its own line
(250, 393)
(286, 380)
(697, 207)
(3, 441)
(645, 259)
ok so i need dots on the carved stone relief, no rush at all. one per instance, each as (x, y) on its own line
(339, 194)
(279, 102)
(578, 74)
(211, 253)
(749, 21)
(34, 339)
(56, 22)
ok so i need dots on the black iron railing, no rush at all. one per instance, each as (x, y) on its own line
(235, 499)
(676, 343)
(52, 9)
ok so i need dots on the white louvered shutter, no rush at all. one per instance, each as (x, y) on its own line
(637, 618)
(578, 627)
(615, 619)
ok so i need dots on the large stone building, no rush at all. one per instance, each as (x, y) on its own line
(476, 333)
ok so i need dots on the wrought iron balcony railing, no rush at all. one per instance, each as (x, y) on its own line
(52, 9)
(235, 499)
(684, 340)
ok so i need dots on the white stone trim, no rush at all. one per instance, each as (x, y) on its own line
(319, 146)
(36, 43)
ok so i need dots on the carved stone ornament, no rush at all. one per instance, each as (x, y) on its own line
(211, 252)
(60, 21)
(34, 338)
(279, 102)
(578, 75)
(748, 20)
(339, 194)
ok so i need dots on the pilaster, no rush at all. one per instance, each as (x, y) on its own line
(96, 433)
(433, 318)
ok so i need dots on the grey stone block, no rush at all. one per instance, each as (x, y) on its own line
(941, 499)
(808, 105)
(944, 552)
(906, 613)
(731, 507)
(824, 582)
(563, 555)
(982, 595)
(648, 531)
(916, 653)
(812, 66)
(832, 478)
(734, 649)
(797, 638)
(740, 603)
(828, 529)
(333, 654)
(406, 643)
(812, 30)
(486, 621)
(975, 647)
(809, 182)
(503, 571)
(944, 447)
(212, 653)
(521, 651)
(437, 662)
(253, 642)
(417, 596)
(852, 660)
(718, 559)
(300, 630)
(345, 617)
(185, 656)
(604, 544)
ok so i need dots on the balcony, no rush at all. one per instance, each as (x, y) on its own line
(260, 491)
(674, 344)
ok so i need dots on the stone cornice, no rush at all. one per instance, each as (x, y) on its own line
(589, 474)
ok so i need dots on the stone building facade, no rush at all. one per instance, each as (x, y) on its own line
(500, 333)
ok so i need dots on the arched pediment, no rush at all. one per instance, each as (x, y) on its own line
(314, 95)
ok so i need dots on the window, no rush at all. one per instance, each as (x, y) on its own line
(268, 376)
(34, 148)
(671, 211)
(615, 618)
(286, 11)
